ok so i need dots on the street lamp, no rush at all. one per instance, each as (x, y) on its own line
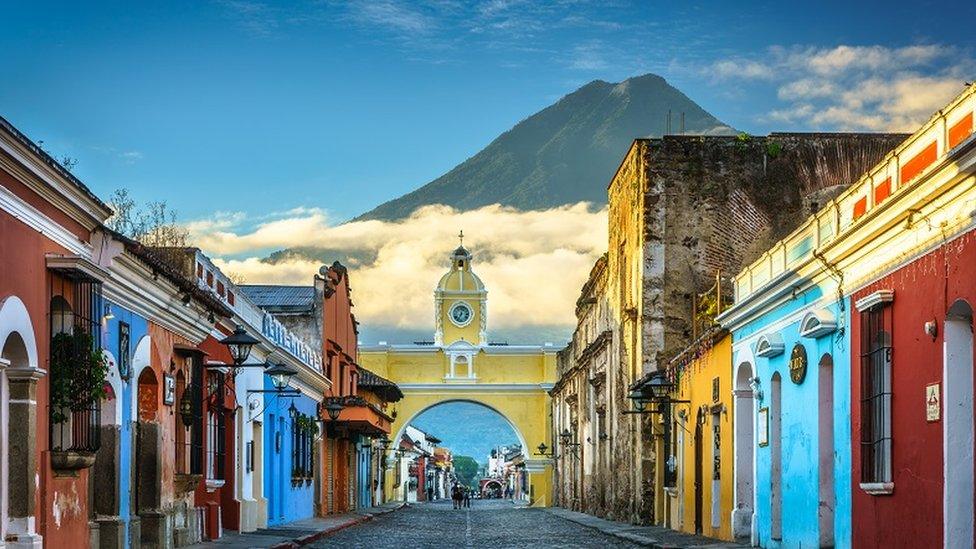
(637, 396)
(292, 411)
(334, 408)
(280, 375)
(239, 344)
(659, 386)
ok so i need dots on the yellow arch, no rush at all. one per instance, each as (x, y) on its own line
(527, 411)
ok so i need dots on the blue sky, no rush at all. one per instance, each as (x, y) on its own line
(469, 429)
(260, 107)
(266, 125)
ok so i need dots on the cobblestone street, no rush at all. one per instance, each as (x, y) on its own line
(488, 523)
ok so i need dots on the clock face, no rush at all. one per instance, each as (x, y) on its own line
(461, 313)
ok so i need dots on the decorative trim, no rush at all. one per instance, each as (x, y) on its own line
(770, 345)
(878, 488)
(875, 298)
(817, 323)
(476, 387)
(37, 220)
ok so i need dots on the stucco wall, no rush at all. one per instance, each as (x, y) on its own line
(800, 427)
(924, 290)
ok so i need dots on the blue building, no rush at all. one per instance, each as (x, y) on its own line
(291, 432)
(791, 365)
(125, 335)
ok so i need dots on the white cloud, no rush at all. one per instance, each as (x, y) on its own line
(533, 262)
(852, 88)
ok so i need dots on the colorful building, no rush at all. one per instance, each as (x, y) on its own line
(879, 277)
(699, 479)
(911, 273)
(461, 363)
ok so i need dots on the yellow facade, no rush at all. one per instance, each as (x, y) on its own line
(705, 421)
(461, 365)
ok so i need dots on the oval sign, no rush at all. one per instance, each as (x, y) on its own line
(798, 363)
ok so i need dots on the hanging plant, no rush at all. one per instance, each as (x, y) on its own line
(78, 372)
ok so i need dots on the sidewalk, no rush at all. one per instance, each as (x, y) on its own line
(298, 533)
(656, 537)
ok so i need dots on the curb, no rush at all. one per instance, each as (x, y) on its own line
(643, 541)
(312, 538)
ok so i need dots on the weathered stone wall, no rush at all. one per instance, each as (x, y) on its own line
(681, 209)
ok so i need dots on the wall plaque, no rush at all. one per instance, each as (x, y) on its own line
(933, 402)
(798, 363)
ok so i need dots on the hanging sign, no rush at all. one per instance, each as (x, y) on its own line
(798, 363)
(933, 403)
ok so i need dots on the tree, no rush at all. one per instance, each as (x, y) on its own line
(466, 469)
(153, 224)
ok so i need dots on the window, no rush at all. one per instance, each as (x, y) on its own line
(220, 288)
(230, 298)
(876, 394)
(124, 362)
(210, 279)
(181, 440)
(199, 270)
(76, 364)
(303, 431)
(216, 429)
(249, 456)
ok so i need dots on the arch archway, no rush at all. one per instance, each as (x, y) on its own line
(416, 414)
(140, 361)
(743, 511)
(825, 449)
(19, 374)
(958, 439)
(524, 414)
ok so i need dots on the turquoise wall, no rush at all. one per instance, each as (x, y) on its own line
(800, 426)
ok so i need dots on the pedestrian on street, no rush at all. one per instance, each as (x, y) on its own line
(467, 498)
(456, 496)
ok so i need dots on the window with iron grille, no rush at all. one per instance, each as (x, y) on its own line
(876, 355)
(301, 451)
(77, 367)
(181, 439)
(216, 429)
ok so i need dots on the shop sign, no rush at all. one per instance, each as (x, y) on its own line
(933, 402)
(798, 363)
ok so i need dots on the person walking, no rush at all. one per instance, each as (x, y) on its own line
(467, 497)
(456, 496)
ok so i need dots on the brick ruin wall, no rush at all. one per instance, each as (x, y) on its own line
(729, 199)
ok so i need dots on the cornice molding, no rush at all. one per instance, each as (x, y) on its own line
(37, 220)
(51, 186)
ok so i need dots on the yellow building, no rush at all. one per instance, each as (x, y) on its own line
(461, 364)
(700, 498)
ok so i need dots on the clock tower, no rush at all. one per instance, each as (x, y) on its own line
(460, 303)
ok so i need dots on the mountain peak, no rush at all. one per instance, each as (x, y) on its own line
(564, 153)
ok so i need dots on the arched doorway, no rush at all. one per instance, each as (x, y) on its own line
(19, 374)
(745, 444)
(958, 439)
(826, 504)
(776, 457)
(491, 489)
(148, 469)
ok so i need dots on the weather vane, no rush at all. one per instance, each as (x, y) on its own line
(461, 237)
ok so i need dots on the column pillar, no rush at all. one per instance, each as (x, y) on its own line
(22, 457)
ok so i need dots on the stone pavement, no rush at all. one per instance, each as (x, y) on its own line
(299, 532)
(656, 537)
(497, 524)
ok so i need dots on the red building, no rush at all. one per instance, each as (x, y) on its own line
(50, 293)
(913, 276)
